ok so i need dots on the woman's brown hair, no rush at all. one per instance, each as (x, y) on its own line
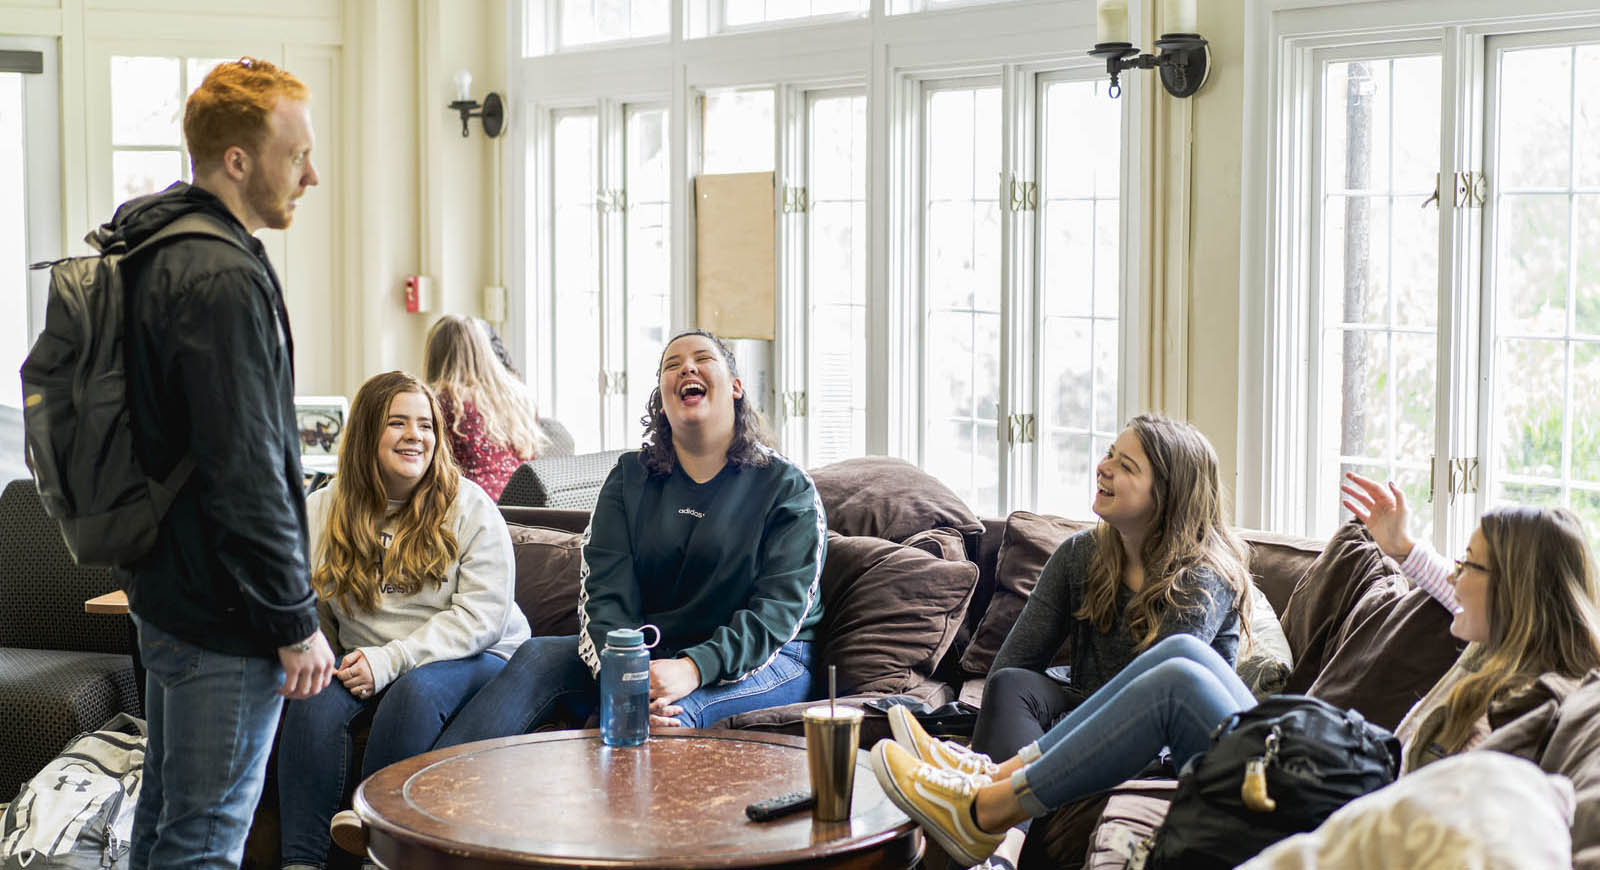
(1187, 534)
(461, 365)
(351, 561)
(1543, 614)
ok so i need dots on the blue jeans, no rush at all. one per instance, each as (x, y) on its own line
(316, 749)
(216, 714)
(546, 671)
(1173, 695)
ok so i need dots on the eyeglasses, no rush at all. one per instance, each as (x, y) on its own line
(1463, 564)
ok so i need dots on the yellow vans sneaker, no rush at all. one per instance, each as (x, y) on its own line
(937, 799)
(947, 754)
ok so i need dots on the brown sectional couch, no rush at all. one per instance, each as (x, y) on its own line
(920, 613)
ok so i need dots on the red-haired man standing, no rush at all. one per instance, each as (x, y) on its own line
(226, 617)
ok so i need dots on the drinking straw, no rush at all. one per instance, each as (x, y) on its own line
(833, 677)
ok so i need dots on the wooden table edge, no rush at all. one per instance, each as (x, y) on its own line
(383, 833)
(113, 603)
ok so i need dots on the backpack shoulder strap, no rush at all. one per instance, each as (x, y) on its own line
(192, 224)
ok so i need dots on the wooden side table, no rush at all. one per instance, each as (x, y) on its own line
(564, 799)
(115, 603)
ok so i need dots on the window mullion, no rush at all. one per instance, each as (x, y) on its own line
(613, 273)
(1019, 169)
(792, 352)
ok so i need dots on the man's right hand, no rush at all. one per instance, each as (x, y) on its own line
(306, 673)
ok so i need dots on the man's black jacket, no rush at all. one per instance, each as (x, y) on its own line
(210, 375)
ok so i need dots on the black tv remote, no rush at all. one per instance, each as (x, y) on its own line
(782, 805)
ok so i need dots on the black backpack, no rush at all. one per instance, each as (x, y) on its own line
(1311, 758)
(75, 405)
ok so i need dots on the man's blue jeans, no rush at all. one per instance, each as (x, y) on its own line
(546, 671)
(316, 748)
(1173, 695)
(211, 717)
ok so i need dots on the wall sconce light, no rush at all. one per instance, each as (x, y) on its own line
(1185, 58)
(491, 110)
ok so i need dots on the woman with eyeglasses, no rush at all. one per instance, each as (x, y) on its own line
(1524, 598)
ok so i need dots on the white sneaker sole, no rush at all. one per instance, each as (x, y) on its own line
(902, 732)
(880, 770)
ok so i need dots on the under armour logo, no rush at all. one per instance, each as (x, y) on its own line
(82, 784)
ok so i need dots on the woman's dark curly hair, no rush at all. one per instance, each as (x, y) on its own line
(750, 441)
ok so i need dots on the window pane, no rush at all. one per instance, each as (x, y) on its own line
(836, 242)
(576, 261)
(1535, 129)
(136, 173)
(1377, 290)
(589, 21)
(146, 105)
(738, 132)
(1079, 283)
(649, 260)
(15, 336)
(1546, 442)
(961, 134)
(739, 13)
(196, 69)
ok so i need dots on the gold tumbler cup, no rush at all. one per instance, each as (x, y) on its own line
(832, 736)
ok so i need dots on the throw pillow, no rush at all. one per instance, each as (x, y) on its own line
(879, 497)
(889, 611)
(548, 562)
(1348, 568)
(1265, 665)
(1027, 543)
(1453, 813)
(1573, 750)
(1394, 646)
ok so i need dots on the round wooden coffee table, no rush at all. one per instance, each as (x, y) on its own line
(565, 799)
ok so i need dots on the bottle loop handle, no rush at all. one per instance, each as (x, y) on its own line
(651, 644)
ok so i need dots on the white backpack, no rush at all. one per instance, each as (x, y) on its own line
(77, 813)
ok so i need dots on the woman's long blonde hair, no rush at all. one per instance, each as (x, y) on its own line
(1187, 533)
(1543, 615)
(461, 365)
(351, 561)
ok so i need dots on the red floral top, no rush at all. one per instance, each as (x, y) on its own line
(484, 462)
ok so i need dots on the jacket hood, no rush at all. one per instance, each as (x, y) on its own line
(138, 219)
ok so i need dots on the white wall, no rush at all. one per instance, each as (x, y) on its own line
(401, 191)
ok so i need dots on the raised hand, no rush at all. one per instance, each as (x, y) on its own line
(1382, 509)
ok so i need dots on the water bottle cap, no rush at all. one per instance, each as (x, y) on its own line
(624, 637)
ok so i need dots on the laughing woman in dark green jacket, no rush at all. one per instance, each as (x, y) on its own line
(705, 533)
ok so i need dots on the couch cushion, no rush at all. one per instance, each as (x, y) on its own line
(48, 697)
(890, 610)
(1349, 566)
(880, 497)
(1574, 752)
(1025, 546)
(1395, 645)
(1277, 562)
(548, 562)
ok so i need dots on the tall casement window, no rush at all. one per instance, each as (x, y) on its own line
(1019, 290)
(608, 270)
(950, 204)
(1451, 258)
(147, 97)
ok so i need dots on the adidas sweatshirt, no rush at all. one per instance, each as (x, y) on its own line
(729, 570)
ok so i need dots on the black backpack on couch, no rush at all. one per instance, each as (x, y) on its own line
(1277, 769)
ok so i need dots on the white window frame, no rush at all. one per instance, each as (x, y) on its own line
(41, 95)
(885, 54)
(1283, 38)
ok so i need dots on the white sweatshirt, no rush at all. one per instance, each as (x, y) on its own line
(473, 611)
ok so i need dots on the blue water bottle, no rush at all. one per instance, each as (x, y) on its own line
(625, 687)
